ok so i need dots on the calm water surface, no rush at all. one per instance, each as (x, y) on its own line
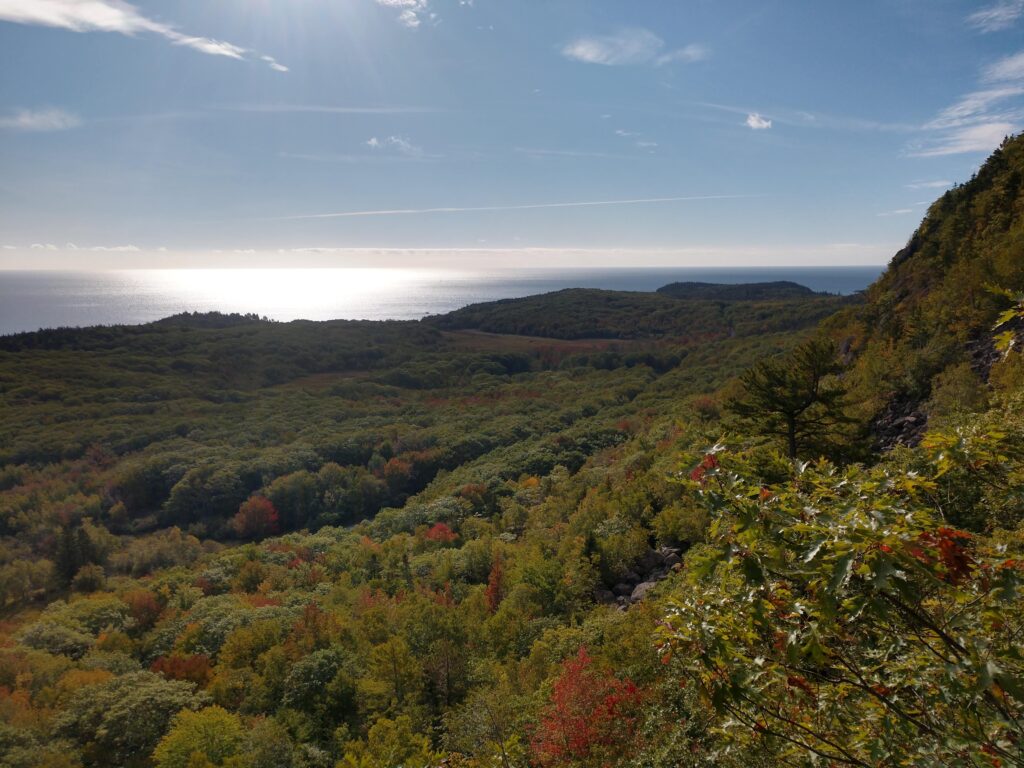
(33, 300)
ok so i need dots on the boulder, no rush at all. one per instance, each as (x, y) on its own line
(650, 560)
(623, 589)
(641, 590)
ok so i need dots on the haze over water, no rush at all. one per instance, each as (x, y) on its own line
(30, 300)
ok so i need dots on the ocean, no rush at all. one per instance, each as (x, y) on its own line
(30, 300)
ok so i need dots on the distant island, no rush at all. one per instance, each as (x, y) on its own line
(778, 289)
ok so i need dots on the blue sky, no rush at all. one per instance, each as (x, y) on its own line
(491, 132)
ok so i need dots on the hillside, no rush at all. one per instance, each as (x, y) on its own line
(779, 289)
(708, 312)
(561, 531)
(925, 328)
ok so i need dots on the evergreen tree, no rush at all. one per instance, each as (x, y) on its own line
(796, 397)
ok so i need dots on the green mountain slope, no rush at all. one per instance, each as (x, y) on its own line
(932, 311)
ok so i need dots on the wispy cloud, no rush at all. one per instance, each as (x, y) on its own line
(40, 120)
(411, 13)
(323, 109)
(983, 137)
(577, 153)
(981, 119)
(757, 122)
(356, 159)
(938, 184)
(1001, 15)
(686, 54)
(397, 144)
(527, 207)
(1006, 69)
(975, 105)
(111, 16)
(274, 64)
(629, 47)
(639, 140)
(897, 212)
(802, 118)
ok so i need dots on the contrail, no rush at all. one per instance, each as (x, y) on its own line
(529, 207)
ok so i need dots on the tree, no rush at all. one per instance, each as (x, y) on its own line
(125, 717)
(838, 615)
(390, 743)
(495, 591)
(796, 397)
(590, 719)
(256, 518)
(488, 724)
(213, 733)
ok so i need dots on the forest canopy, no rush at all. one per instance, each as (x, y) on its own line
(706, 526)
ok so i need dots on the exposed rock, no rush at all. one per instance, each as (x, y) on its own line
(651, 567)
(982, 348)
(623, 589)
(902, 422)
(650, 560)
(641, 590)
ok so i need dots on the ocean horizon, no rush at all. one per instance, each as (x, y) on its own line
(31, 300)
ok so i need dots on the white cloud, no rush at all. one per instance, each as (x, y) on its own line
(973, 105)
(40, 120)
(818, 120)
(999, 16)
(757, 122)
(108, 16)
(1006, 69)
(115, 248)
(981, 137)
(206, 45)
(410, 12)
(646, 144)
(980, 120)
(897, 212)
(525, 207)
(687, 54)
(628, 46)
(399, 144)
(938, 184)
(274, 64)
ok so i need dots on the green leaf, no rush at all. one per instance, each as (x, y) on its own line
(1010, 684)
(841, 572)
(752, 570)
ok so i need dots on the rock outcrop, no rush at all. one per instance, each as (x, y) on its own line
(653, 566)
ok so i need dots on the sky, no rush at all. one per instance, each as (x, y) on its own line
(491, 133)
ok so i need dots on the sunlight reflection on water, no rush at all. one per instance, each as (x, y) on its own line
(31, 300)
(286, 294)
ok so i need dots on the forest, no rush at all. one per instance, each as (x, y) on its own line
(707, 526)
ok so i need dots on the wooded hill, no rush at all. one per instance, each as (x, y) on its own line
(584, 529)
